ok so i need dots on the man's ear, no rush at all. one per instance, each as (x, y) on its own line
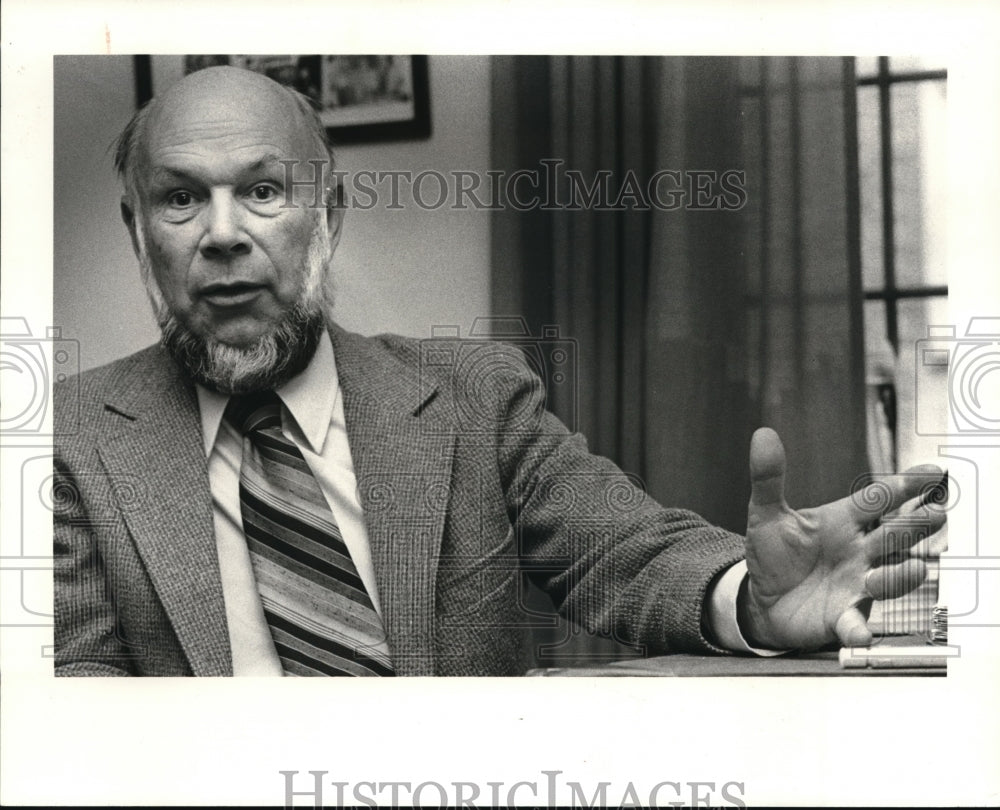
(128, 217)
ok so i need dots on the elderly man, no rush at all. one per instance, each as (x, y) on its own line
(266, 494)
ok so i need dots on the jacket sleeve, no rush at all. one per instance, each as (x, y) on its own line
(612, 559)
(87, 638)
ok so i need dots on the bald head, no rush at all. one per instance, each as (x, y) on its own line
(210, 102)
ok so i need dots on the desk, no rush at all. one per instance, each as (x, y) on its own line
(823, 664)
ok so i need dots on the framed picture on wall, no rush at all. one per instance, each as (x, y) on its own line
(360, 98)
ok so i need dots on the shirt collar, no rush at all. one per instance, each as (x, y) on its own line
(309, 397)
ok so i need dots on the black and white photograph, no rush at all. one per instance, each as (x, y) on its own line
(563, 397)
(736, 289)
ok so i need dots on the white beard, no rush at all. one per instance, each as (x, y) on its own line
(272, 359)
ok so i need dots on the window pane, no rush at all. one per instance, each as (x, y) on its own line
(880, 377)
(933, 97)
(878, 352)
(866, 66)
(870, 181)
(919, 182)
(905, 64)
(922, 389)
(918, 402)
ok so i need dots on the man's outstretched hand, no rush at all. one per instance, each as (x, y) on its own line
(814, 572)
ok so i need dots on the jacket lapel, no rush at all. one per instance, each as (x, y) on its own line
(155, 446)
(403, 467)
(402, 464)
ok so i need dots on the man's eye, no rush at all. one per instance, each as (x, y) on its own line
(180, 199)
(264, 193)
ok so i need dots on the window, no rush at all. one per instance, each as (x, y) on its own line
(902, 178)
(901, 153)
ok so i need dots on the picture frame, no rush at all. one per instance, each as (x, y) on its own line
(360, 98)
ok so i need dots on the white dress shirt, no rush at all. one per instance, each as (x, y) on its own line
(313, 418)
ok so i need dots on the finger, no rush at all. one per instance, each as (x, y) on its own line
(767, 469)
(852, 629)
(933, 546)
(891, 581)
(933, 520)
(888, 493)
(934, 496)
(902, 534)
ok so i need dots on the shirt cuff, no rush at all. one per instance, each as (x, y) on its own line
(722, 613)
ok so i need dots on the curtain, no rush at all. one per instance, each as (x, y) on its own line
(724, 296)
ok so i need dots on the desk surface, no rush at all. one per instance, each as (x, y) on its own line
(729, 666)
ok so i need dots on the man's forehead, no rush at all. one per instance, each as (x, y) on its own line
(226, 109)
(221, 85)
(166, 165)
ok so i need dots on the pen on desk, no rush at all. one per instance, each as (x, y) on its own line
(891, 658)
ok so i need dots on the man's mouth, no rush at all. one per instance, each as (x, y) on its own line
(231, 294)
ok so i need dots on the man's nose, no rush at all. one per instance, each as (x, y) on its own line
(224, 237)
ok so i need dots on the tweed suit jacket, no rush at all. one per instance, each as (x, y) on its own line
(467, 485)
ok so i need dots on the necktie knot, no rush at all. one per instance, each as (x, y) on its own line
(254, 412)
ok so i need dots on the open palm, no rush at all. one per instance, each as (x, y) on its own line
(814, 572)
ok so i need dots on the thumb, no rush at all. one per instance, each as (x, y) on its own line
(852, 629)
(767, 469)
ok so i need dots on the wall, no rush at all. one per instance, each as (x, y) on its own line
(397, 270)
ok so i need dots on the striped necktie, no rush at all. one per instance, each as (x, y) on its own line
(321, 617)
